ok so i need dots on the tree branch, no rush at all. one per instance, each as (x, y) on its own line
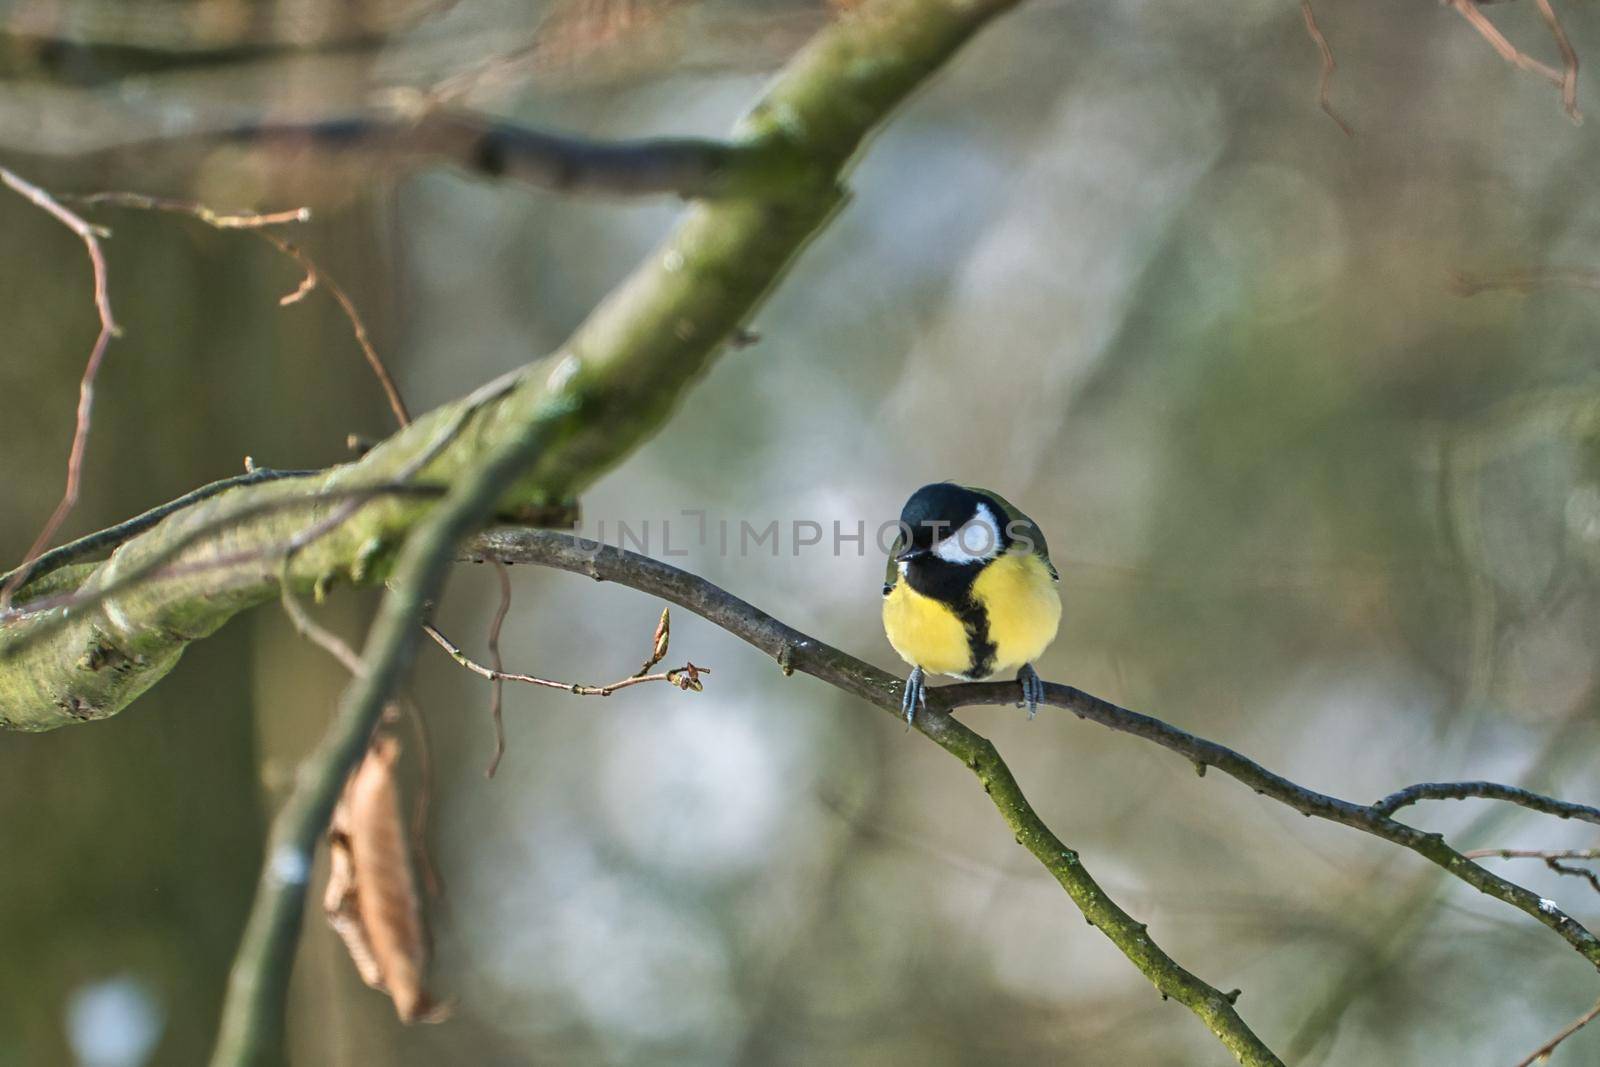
(684, 167)
(796, 651)
(1488, 791)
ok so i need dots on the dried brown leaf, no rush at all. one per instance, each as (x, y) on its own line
(372, 900)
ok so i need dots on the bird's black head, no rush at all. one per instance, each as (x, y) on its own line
(957, 524)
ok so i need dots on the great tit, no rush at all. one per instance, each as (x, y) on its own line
(969, 591)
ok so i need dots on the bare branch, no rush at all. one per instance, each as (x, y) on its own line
(1569, 60)
(1328, 66)
(1488, 791)
(686, 677)
(1543, 1052)
(796, 651)
(90, 236)
(313, 631)
(1566, 79)
(314, 275)
(1534, 854)
(497, 687)
(684, 167)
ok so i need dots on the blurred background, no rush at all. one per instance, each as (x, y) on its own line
(1307, 499)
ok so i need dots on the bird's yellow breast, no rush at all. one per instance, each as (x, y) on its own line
(1016, 598)
(1024, 610)
(925, 632)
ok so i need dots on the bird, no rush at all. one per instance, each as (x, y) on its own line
(969, 592)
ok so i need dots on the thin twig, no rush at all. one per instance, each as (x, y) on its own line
(686, 677)
(1569, 60)
(497, 685)
(684, 167)
(313, 274)
(1543, 1052)
(1574, 872)
(112, 536)
(1328, 66)
(1534, 854)
(1552, 858)
(1565, 80)
(309, 628)
(90, 236)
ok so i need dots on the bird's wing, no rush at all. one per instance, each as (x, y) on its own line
(1019, 525)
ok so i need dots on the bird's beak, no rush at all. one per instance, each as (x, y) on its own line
(910, 554)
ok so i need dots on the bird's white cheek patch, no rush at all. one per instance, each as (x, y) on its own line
(975, 542)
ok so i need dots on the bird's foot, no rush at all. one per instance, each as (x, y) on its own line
(1032, 689)
(915, 695)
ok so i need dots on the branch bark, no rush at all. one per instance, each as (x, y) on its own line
(796, 651)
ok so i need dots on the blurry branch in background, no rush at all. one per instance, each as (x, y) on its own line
(1328, 66)
(1525, 281)
(418, 133)
(34, 562)
(497, 687)
(1565, 79)
(90, 236)
(570, 31)
(160, 26)
(313, 275)
(1552, 859)
(1542, 1054)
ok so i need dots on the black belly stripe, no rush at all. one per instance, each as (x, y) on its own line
(951, 585)
(976, 620)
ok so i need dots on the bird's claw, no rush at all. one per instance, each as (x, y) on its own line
(1032, 689)
(915, 695)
